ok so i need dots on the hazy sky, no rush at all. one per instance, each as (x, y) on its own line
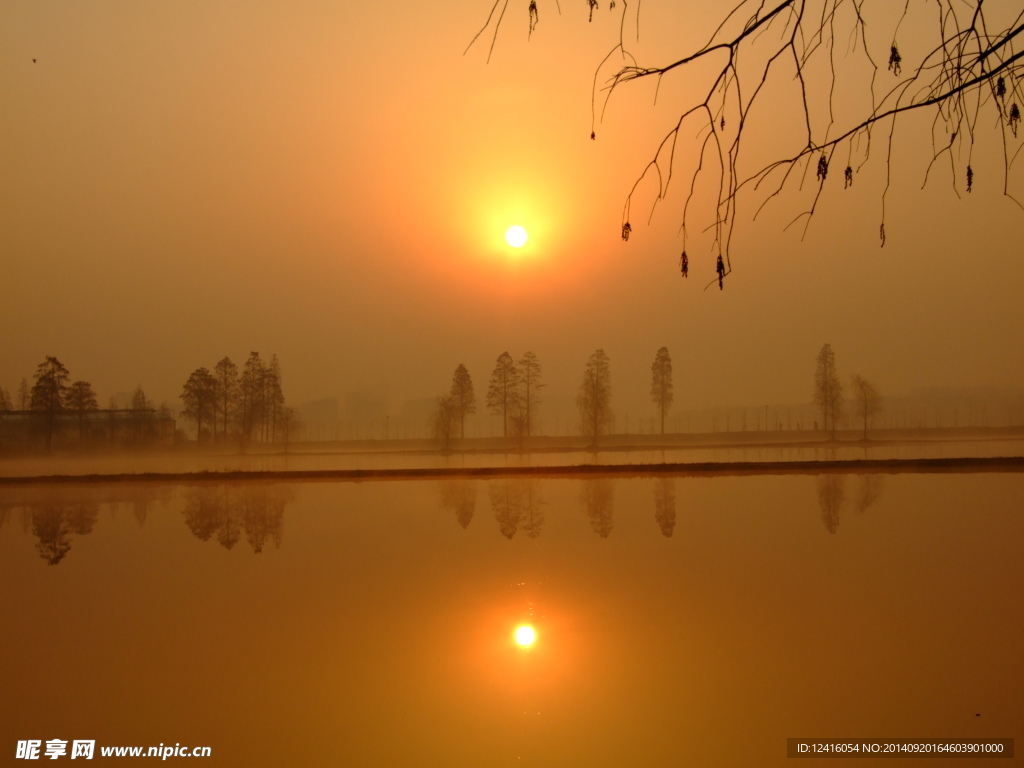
(331, 181)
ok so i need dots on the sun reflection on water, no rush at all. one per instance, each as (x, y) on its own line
(525, 635)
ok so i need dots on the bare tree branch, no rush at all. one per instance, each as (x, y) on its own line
(973, 69)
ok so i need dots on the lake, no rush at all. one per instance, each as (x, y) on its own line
(679, 620)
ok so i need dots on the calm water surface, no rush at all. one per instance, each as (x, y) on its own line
(680, 621)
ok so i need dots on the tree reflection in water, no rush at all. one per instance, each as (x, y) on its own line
(59, 514)
(459, 496)
(597, 496)
(54, 524)
(532, 507)
(517, 504)
(869, 490)
(505, 505)
(831, 494)
(229, 510)
(665, 504)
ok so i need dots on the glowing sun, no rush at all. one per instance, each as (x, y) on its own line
(516, 236)
(525, 635)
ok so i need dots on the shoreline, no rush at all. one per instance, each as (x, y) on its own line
(998, 464)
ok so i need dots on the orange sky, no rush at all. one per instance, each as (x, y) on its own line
(331, 182)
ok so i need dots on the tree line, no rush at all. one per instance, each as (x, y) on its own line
(53, 401)
(831, 401)
(513, 393)
(244, 405)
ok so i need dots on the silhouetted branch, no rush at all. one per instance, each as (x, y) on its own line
(972, 68)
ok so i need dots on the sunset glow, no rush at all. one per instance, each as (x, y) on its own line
(525, 635)
(516, 236)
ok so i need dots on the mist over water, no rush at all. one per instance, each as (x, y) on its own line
(673, 612)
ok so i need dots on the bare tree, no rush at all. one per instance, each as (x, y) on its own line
(843, 62)
(81, 399)
(866, 401)
(828, 390)
(595, 396)
(463, 396)
(503, 390)
(661, 384)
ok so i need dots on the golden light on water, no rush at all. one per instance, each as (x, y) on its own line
(525, 635)
(516, 236)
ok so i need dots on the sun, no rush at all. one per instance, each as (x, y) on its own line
(516, 236)
(525, 635)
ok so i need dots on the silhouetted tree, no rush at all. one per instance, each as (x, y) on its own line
(5, 400)
(251, 402)
(866, 401)
(49, 393)
(962, 73)
(529, 372)
(661, 384)
(828, 390)
(595, 397)
(273, 398)
(81, 399)
(199, 396)
(226, 374)
(503, 390)
(463, 397)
